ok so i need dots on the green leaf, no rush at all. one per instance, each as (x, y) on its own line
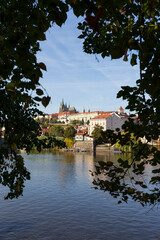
(39, 91)
(37, 99)
(133, 59)
(45, 101)
(81, 36)
(120, 160)
(10, 87)
(156, 171)
(42, 66)
(109, 163)
(120, 94)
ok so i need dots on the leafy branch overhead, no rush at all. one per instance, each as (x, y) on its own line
(130, 30)
(23, 25)
(126, 29)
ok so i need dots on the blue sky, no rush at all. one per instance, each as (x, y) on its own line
(78, 77)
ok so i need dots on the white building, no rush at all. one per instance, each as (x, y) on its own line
(79, 136)
(63, 117)
(88, 138)
(83, 137)
(85, 116)
(107, 121)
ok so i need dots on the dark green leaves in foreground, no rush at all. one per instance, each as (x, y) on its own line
(45, 101)
(130, 30)
(23, 24)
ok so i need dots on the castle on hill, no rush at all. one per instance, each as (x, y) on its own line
(66, 108)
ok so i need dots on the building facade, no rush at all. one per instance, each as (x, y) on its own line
(85, 116)
(63, 117)
(107, 121)
(83, 137)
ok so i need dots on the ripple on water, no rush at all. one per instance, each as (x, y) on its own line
(59, 204)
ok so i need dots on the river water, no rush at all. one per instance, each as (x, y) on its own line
(59, 203)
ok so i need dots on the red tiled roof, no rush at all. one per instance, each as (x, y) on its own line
(80, 134)
(102, 116)
(120, 108)
(99, 112)
(64, 113)
(53, 114)
(84, 130)
(102, 113)
(45, 130)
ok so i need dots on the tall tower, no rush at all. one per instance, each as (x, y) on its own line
(61, 106)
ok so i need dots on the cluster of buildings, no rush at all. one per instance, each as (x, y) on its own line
(107, 119)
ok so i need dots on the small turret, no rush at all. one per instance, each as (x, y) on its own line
(120, 110)
(83, 109)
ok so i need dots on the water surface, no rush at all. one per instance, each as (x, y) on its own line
(59, 203)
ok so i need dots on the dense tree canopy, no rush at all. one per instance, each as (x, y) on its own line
(57, 131)
(97, 134)
(69, 132)
(127, 29)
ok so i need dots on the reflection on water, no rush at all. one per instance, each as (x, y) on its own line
(110, 156)
(59, 203)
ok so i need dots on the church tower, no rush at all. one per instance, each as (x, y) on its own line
(61, 108)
